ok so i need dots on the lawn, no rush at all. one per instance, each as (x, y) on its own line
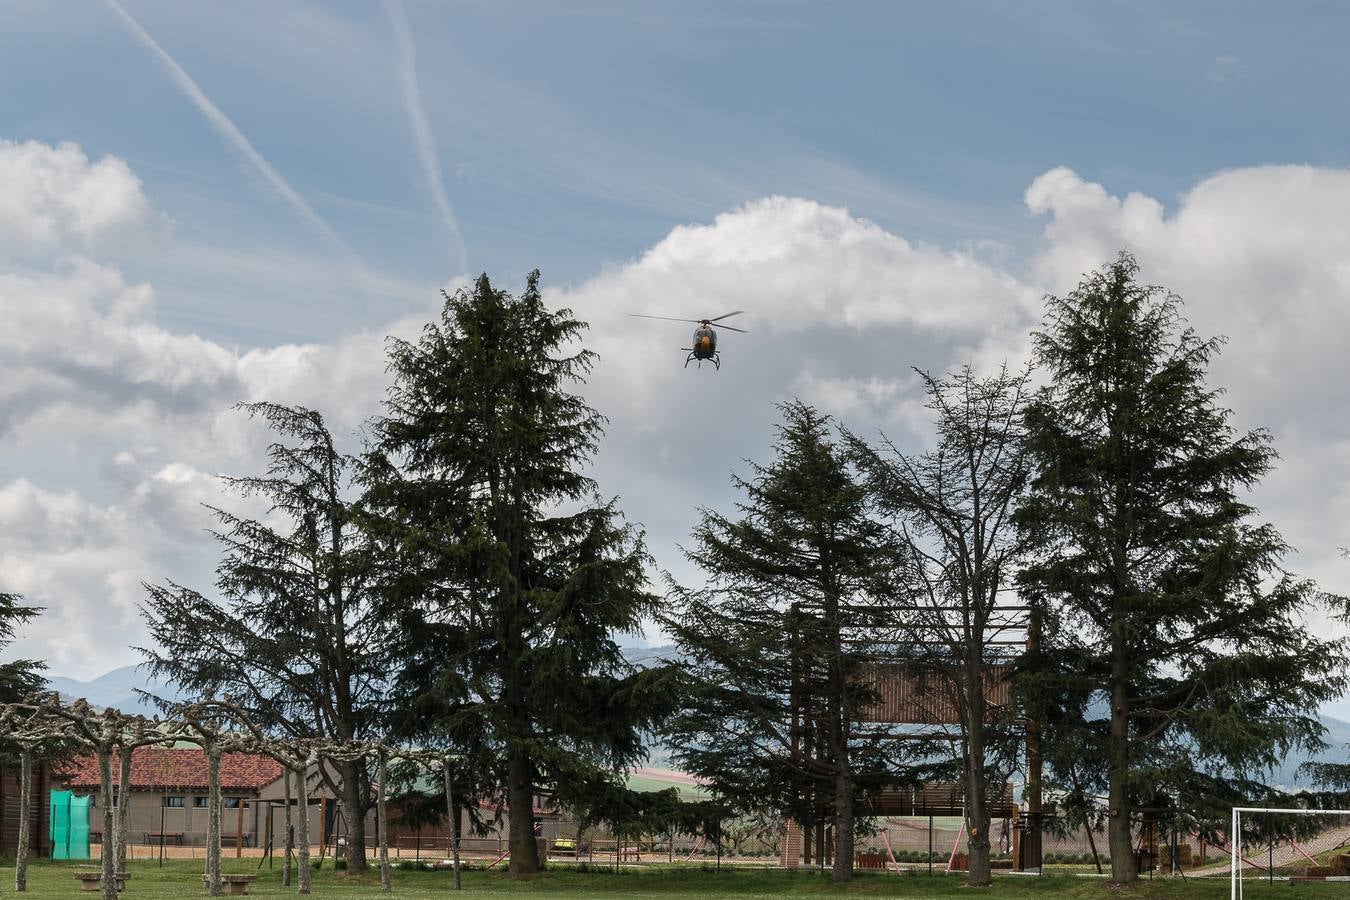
(183, 879)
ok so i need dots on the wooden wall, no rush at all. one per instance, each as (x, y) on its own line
(910, 697)
(39, 839)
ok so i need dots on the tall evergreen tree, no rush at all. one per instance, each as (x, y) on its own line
(19, 677)
(518, 577)
(952, 508)
(299, 639)
(779, 639)
(1178, 638)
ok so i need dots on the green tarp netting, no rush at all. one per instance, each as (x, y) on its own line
(70, 825)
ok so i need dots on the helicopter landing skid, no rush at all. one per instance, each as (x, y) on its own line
(715, 359)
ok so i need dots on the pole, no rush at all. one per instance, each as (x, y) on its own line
(288, 835)
(162, 803)
(382, 821)
(1232, 857)
(930, 843)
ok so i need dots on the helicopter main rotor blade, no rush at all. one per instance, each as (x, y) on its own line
(665, 318)
(727, 316)
(730, 328)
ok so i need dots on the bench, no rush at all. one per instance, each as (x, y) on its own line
(171, 837)
(238, 884)
(90, 879)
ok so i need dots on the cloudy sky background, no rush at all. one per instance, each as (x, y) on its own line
(202, 204)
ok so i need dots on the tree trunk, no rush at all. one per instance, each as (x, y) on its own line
(843, 825)
(213, 820)
(382, 821)
(842, 868)
(352, 772)
(107, 853)
(1123, 867)
(123, 808)
(302, 795)
(25, 813)
(452, 817)
(520, 803)
(1092, 845)
(977, 788)
(288, 839)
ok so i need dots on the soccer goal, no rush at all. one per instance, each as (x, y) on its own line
(1277, 837)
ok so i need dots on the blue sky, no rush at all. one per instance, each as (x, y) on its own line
(877, 185)
(572, 135)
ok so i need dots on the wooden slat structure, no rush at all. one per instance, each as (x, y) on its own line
(939, 799)
(912, 696)
(39, 841)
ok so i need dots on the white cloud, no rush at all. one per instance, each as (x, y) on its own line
(1261, 255)
(114, 426)
(55, 197)
(82, 339)
(813, 281)
(77, 559)
(877, 399)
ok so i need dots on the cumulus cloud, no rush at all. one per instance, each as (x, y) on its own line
(76, 558)
(114, 426)
(820, 288)
(54, 197)
(82, 339)
(1262, 256)
(128, 421)
(876, 399)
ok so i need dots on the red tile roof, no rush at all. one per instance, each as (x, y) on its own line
(173, 768)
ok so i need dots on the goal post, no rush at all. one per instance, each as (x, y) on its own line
(1236, 855)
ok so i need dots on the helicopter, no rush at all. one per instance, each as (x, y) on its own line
(705, 337)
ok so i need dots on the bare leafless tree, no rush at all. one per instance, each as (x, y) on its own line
(951, 511)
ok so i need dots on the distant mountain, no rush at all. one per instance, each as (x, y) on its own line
(1338, 751)
(116, 689)
(646, 657)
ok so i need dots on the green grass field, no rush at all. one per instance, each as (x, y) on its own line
(183, 879)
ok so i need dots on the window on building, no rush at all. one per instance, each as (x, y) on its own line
(201, 802)
(233, 802)
(174, 802)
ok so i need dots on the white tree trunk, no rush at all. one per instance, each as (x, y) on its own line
(25, 813)
(302, 794)
(107, 853)
(123, 808)
(213, 820)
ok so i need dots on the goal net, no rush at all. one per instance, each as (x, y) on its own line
(1268, 843)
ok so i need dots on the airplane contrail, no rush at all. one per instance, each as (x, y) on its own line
(221, 123)
(426, 144)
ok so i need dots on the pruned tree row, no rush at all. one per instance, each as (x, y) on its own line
(42, 725)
